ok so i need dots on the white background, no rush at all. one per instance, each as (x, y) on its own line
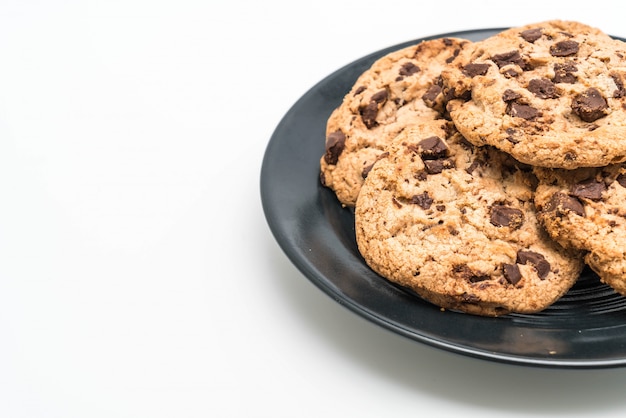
(138, 277)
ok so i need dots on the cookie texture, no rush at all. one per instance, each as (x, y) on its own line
(456, 224)
(398, 90)
(550, 94)
(584, 209)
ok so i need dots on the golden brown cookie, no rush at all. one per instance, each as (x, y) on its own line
(456, 224)
(398, 90)
(584, 209)
(551, 94)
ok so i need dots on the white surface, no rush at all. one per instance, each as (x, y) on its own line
(138, 277)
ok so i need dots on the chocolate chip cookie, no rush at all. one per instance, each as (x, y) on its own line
(551, 94)
(584, 209)
(455, 223)
(398, 90)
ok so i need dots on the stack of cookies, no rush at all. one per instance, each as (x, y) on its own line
(485, 175)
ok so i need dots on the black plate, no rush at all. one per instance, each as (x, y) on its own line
(585, 329)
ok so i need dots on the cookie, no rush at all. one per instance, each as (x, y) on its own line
(550, 94)
(398, 90)
(456, 224)
(584, 209)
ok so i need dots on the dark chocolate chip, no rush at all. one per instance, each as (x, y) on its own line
(570, 156)
(510, 95)
(620, 91)
(564, 48)
(473, 166)
(368, 168)
(422, 200)
(561, 204)
(510, 73)
(590, 189)
(502, 215)
(431, 94)
(451, 94)
(538, 261)
(369, 113)
(474, 69)
(511, 57)
(437, 166)
(511, 273)
(564, 73)
(531, 35)
(518, 110)
(432, 148)
(590, 105)
(335, 143)
(380, 96)
(465, 272)
(511, 135)
(542, 88)
(408, 69)
(360, 90)
(455, 54)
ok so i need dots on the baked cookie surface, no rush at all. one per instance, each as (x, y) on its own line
(398, 90)
(551, 94)
(456, 224)
(584, 209)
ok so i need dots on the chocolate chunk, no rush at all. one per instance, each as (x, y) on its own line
(561, 204)
(465, 272)
(564, 48)
(369, 113)
(511, 135)
(455, 54)
(368, 168)
(451, 94)
(380, 96)
(510, 95)
(590, 189)
(511, 273)
(408, 69)
(473, 166)
(531, 35)
(422, 200)
(621, 179)
(433, 148)
(502, 215)
(473, 69)
(511, 57)
(564, 73)
(538, 261)
(518, 110)
(359, 90)
(431, 94)
(542, 88)
(510, 73)
(437, 166)
(620, 91)
(335, 143)
(590, 105)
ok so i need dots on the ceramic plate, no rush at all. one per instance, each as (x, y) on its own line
(584, 329)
